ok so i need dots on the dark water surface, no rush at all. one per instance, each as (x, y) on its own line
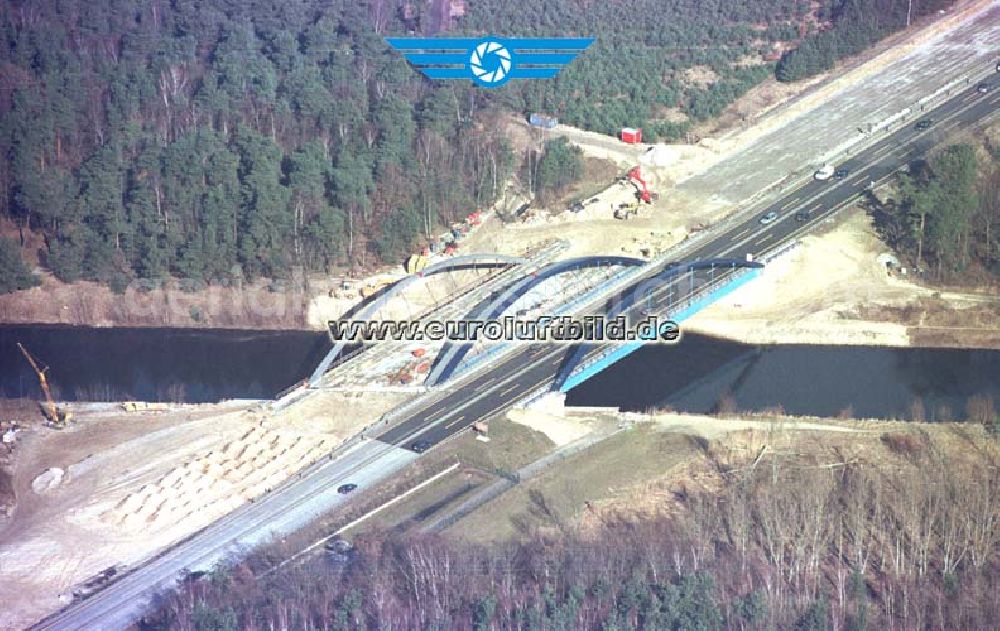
(209, 365)
(157, 364)
(804, 380)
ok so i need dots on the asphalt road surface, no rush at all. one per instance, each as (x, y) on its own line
(284, 510)
(492, 392)
(485, 395)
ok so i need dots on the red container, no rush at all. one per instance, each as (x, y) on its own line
(631, 135)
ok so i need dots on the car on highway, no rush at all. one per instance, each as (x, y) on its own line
(983, 88)
(420, 446)
(769, 218)
(824, 173)
(842, 173)
(923, 124)
(802, 215)
(344, 489)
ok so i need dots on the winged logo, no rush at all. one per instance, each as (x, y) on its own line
(489, 61)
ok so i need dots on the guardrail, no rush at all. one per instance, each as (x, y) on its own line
(794, 180)
(684, 309)
(595, 295)
(861, 141)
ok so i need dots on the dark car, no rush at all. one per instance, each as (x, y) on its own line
(577, 207)
(338, 545)
(420, 446)
(338, 551)
(983, 88)
(802, 215)
(841, 173)
(924, 124)
(344, 489)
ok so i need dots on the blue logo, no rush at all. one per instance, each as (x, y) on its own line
(491, 61)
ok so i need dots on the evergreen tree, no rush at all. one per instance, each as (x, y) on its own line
(14, 274)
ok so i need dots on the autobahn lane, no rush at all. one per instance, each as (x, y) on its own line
(482, 395)
(282, 511)
(490, 393)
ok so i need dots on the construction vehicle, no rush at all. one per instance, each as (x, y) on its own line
(55, 417)
(626, 210)
(415, 264)
(643, 194)
(374, 286)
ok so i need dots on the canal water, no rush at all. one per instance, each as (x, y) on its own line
(703, 374)
(698, 375)
(190, 365)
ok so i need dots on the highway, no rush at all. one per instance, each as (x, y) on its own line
(489, 393)
(284, 510)
(493, 392)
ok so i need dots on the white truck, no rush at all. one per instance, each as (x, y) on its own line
(825, 172)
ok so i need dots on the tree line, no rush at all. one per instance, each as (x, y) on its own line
(633, 73)
(947, 214)
(207, 139)
(145, 139)
(854, 26)
(907, 538)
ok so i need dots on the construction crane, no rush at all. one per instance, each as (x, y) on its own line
(54, 416)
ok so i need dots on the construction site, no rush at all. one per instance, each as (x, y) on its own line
(93, 490)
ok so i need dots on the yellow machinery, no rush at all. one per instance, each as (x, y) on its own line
(54, 416)
(372, 288)
(415, 264)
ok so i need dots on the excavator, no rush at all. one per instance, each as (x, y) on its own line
(642, 194)
(642, 191)
(54, 416)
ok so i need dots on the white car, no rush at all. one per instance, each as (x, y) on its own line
(825, 173)
(769, 218)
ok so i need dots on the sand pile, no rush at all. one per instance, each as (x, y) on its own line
(559, 429)
(222, 479)
(47, 480)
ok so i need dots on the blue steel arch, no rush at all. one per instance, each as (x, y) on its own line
(369, 309)
(639, 292)
(452, 354)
